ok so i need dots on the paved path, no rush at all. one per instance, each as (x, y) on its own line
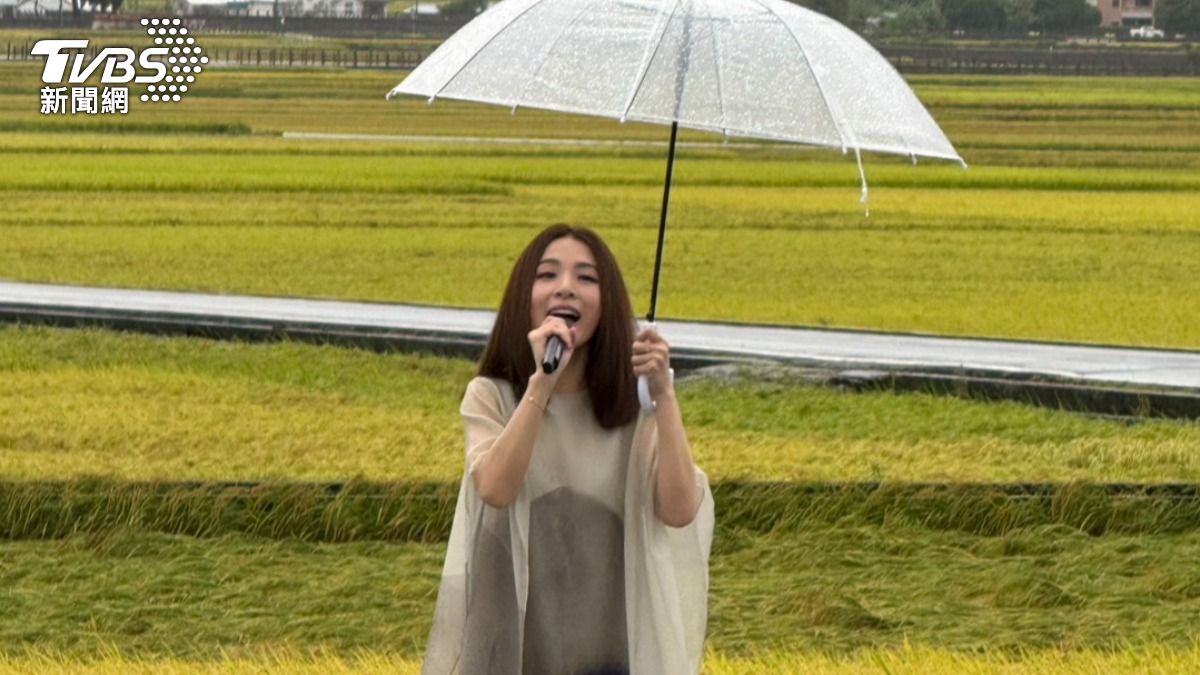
(414, 324)
(580, 142)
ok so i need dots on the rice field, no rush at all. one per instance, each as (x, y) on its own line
(1076, 221)
(833, 591)
(915, 660)
(304, 412)
(102, 570)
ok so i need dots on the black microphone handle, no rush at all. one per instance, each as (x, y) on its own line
(554, 350)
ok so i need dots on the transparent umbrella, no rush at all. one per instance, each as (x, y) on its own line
(765, 69)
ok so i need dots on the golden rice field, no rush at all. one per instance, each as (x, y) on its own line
(908, 661)
(101, 570)
(1076, 221)
(205, 410)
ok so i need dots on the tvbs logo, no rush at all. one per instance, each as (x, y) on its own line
(167, 68)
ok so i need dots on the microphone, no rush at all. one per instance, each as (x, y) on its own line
(554, 350)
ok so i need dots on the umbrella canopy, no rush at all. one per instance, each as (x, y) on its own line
(754, 68)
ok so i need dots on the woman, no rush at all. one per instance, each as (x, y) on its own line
(581, 536)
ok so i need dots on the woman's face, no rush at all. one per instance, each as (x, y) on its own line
(567, 279)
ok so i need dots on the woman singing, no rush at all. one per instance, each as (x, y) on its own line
(582, 531)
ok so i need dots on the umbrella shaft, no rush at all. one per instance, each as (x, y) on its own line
(662, 224)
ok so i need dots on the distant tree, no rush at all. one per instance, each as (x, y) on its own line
(838, 10)
(464, 6)
(858, 13)
(1064, 15)
(899, 17)
(914, 19)
(1018, 15)
(1178, 16)
(974, 15)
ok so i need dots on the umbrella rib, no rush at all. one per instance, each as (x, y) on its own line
(713, 25)
(820, 88)
(647, 60)
(482, 47)
(546, 54)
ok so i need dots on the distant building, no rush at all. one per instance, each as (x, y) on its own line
(228, 7)
(423, 9)
(1125, 13)
(345, 8)
(363, 9)
(335, 8)
(10, 9)
(250, 8)
(284, 8)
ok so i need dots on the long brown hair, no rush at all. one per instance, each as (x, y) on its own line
(609, 373)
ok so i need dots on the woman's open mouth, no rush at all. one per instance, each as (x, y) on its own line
(566, 314)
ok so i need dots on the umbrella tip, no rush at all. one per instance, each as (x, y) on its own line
(431, 99)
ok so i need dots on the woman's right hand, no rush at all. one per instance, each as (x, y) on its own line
(540, 336)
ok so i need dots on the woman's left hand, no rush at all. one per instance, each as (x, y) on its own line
(652, 358)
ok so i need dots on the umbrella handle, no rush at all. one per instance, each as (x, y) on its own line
(644, 394)
(648, 403)
(643, 386)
